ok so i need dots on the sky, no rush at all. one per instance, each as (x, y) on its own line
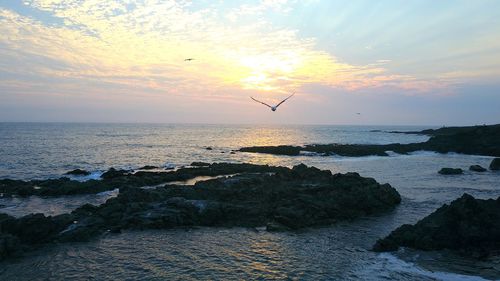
(412, 62)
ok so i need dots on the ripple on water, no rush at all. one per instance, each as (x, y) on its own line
(51, 206)
(340, 252)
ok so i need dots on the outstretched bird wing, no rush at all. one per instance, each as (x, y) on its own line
(284, 100)
(261, 102)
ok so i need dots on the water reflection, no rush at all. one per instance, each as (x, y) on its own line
(31, 150)
(51, 206)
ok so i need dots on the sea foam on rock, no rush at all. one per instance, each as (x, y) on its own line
(259, 195)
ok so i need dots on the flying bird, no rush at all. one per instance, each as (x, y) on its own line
(188, 59)
(273, 108)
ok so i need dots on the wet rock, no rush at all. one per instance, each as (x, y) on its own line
(78, 172)
(477, 168)
(451, 171)
(256, 195)
(276, 150)
(468, 225)
(114, 173)
(9, 245)
(148, 167)
(121, 179)
(276, 227)
(34, 228)
(200, 164)
(480, 140)
(495, 164)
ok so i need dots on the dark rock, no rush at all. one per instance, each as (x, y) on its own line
(34, 228)
(477, 168)
(114, 173)
(495, 164)
(52, 187)
(449, 131)
(276, 227)
(122, 179)
(9, 245)
(278, 197)
(468, 225)
(148, 167)
(451, 171)
(277, 150)
(78, 172)
(208, 148)
(352, 150)
(200, 164)
(481, 140)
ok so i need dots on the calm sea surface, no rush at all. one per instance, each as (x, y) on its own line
(338, 252)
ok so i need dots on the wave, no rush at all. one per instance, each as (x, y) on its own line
(397, 265)
(94, 175)
(109, 193)
(169, 166)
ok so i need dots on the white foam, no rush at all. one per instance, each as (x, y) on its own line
(358, 158)
(95, 175)
(310, 153)
(393, 154)
(109, 193)
(398, 265)
(169, 166)
(424, 153)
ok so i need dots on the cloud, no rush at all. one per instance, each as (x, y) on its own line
(127, 46)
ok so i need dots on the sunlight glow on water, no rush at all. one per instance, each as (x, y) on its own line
(49, 149)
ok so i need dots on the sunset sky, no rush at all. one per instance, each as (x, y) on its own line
(421, 62)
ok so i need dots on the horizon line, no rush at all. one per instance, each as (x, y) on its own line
(237, 124)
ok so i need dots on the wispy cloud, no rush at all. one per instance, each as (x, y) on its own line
(143, 44)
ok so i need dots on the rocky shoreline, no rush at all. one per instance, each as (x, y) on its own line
(477, 140)
(114, 178)
(467, 225)
(255, 195)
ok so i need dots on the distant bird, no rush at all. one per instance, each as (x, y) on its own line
(273, 108)
(188, 59)
(358, 113)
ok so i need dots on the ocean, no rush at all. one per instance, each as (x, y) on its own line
(337, 252)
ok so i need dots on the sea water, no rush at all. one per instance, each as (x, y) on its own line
(337, 252)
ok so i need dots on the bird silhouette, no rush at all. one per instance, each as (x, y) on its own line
(273, 108)
(188, 59)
